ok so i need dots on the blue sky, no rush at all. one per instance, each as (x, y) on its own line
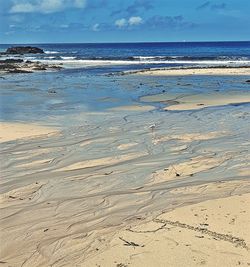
(36, 21)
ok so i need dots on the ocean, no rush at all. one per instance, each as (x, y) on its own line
(105, 57)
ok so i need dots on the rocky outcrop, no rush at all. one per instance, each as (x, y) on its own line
(24, 50)
(21, 66)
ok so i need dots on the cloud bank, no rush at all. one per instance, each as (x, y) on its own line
(44, 6)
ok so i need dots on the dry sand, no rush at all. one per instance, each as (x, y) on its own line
(10, 131)
(212, 233)
(196, 71)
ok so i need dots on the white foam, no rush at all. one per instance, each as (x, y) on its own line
(70, 62)
(51, 52)
(149, 57)
(68, 58)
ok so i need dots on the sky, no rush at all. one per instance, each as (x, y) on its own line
(93, 21)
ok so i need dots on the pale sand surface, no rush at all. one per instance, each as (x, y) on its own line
(15, 130)
(212, 233)
(196, 71)
(198, 101)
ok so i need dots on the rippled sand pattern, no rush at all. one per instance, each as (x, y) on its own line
(63, 196)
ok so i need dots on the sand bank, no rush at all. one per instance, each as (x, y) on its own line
(198, 101)
(195, 71)
(211, 233)
(14, 130)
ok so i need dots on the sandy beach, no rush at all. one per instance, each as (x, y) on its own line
(196, 71)
(204, 234)
(10, 131)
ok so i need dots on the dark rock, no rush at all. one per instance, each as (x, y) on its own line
(24, 50)
(20, 71)
(11, 60)
(5, 66)
(55, 67)
(247, 81)
(39, 68)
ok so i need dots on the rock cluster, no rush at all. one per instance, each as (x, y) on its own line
(24, 50)
(21, 66)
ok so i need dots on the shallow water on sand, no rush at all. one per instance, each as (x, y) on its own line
(49, 95)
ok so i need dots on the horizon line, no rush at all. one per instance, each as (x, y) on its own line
(139, 42)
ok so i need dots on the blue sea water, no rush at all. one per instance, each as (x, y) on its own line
(125, 56)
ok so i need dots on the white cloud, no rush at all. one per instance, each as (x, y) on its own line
(120, 23)
(44, 6)
(22, 8)
(135, 21)
(132, 21)
(96, 28)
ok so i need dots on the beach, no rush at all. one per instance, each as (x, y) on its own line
(204, 234)
(148, 168)
(196, 71)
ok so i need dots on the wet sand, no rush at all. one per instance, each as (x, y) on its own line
(133, 108)
(198, 101)
(129, 186)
